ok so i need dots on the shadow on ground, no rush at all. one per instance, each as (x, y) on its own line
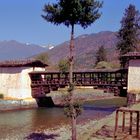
(41, 136)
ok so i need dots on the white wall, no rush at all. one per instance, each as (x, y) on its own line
(134, 76)
(15, 81)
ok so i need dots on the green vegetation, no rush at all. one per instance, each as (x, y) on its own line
(63, 65)
(1, 96)
(71, 13)
(129, 33)
(43, 57)
(103, 65)
(101, 55)
(116, 102)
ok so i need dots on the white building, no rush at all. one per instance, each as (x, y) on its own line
(132, 60)
(14, 77)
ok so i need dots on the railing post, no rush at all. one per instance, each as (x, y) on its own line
(130, 128)
(137, 125)
(116, 124)
(123, 122)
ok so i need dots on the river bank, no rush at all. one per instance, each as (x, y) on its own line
(102, 129)
(80, 94)
(17, 104)
(84, 94)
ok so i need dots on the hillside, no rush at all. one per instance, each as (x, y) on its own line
(15, 50)
(85, 49)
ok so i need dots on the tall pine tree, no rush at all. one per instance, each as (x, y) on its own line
(71, 13)
(129, 32)
(101, 55)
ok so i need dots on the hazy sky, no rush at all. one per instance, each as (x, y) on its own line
(21, 20)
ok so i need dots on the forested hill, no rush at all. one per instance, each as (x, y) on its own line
(85, 49)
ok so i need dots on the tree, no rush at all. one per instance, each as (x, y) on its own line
(63, 65)
(70, 13)
(103, 65)
(129, 32)
(101, 55)
(43, 57)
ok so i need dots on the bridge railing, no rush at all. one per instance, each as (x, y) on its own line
(112, 78)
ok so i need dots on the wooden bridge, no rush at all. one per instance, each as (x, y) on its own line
(43, 82)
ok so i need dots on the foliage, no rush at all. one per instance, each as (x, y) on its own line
(42, 57)
(70, 13)
(68, 107)
(103, 65)
(1, 96)
(101, 55)
(129, 31)
(71, 87)
(63, 65)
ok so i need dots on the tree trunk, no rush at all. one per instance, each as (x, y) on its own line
(72, 84)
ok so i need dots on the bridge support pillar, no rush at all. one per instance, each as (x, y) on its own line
(123, 92)
(133, 98)
(45, 102)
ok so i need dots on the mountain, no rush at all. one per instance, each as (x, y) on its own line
(15, 50)
(85, 49)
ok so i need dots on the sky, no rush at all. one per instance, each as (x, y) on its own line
(21, 20)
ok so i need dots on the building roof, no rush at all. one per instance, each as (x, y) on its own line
(22, 63)
(132, 55)
(89, 71)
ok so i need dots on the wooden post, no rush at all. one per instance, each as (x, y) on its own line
(137, 125)
(116, 124)
(130, 128)
(123, 122)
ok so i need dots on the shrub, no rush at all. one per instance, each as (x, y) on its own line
(1, 96)
(103, 65)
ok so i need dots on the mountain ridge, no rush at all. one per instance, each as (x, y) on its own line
(85, 49)
(86, 46)
(11, 50)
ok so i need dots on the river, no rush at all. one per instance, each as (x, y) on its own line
(19, 124)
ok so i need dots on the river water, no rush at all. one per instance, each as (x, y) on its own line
(20, 124)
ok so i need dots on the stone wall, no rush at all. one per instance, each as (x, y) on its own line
(15, 81)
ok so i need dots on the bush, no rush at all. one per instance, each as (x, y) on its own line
(1, 96)
(103, 65)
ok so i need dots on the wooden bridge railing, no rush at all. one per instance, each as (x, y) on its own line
(54, 80)
(132, 114)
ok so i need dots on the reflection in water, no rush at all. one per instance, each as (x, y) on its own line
(48, 118)
(20, 124)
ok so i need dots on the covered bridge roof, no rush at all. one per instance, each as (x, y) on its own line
(22, 63)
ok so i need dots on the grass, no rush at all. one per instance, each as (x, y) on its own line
(116, 101)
